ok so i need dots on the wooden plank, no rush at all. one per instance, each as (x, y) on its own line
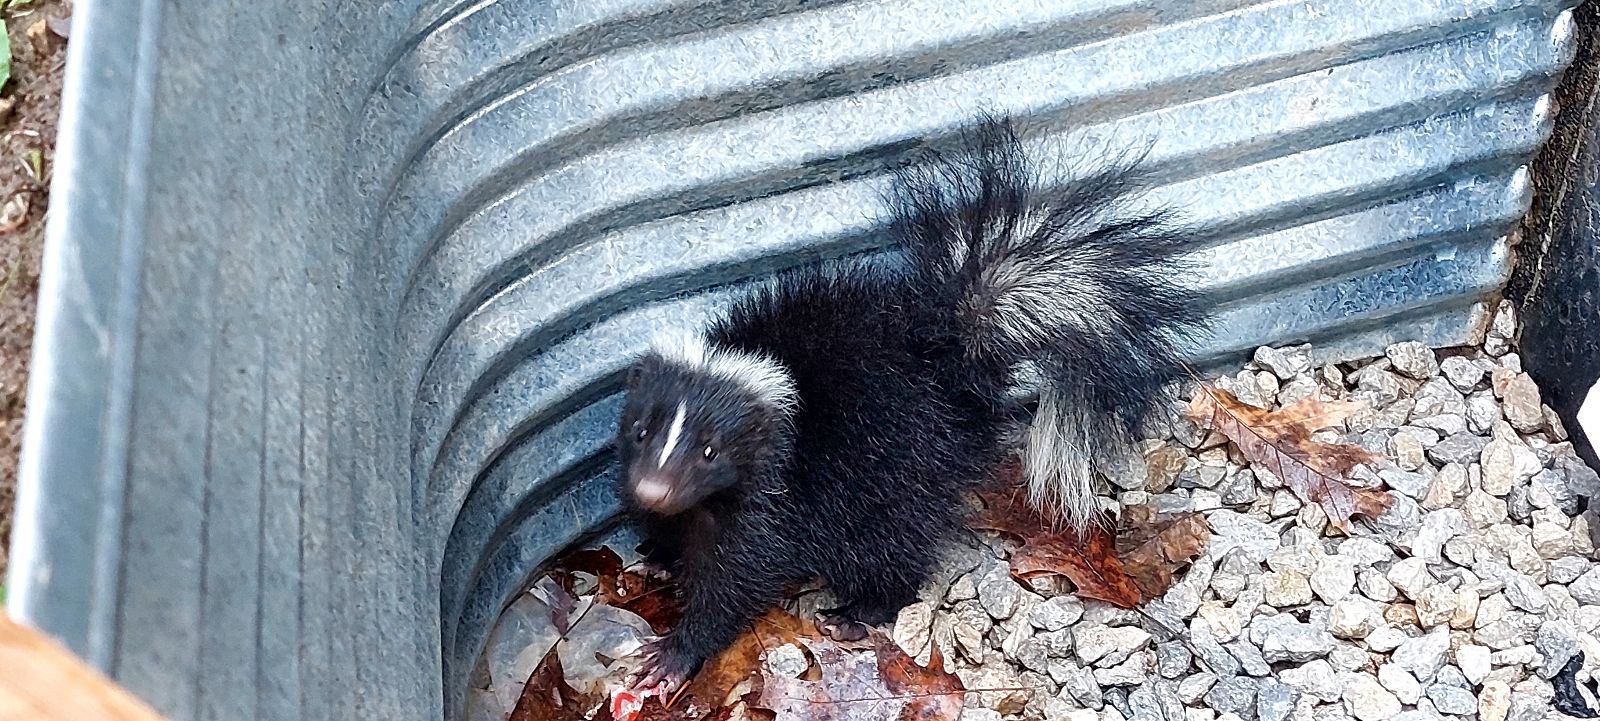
(41, 681)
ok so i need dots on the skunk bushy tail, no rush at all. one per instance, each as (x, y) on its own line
(1063, 277)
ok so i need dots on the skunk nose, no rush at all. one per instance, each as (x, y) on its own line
(652, 491)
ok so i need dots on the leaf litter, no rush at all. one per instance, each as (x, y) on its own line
(1125, 562)
(843, 682)
(1281, 441)
(886, 684)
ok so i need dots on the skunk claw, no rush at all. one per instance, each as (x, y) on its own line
(661, 668)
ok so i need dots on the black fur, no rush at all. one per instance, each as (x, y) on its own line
(902, 382)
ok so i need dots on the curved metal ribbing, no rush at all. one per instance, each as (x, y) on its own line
(562, 182)
(328, 368)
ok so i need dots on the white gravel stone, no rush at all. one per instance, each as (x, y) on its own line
(1467, 602)
(1507, 462)
(1425, 654)
(1195, 687)
(1400, 682)
(1557, 642)
(1462, 373)
(1437, 528)
(1001, 686)
(1375, 586)
(1525, 594)
(1411, 576)
(1567, 569)
(1452, 700)
(1413, 359)
(1283, 638)
(1226, 623)
(1131, 672)
(1334, 578)
(1354, 617)
(1551, 540)
(1235, 695)
(1474, 661)
(1106, 646)
(1314, 678)
(1056, 613)
(913, 628)
(1458, 448)
(1503, 324)
(1368, 700)
(1386, 639)
(1285, 363)
(1346, 657)
(998, 592)
(1522, 408)
(1173, 660)
(1408, 452)
(1494, 701)
(1492, 609)
(1284, 589)
(787, 661)
(1483, 510)
(1436, 605)
(1275, 700)
(1249, 657)
(1232, 530)
(1482, 412)
(1365, 552)
(968, 627)
(965, 588)
(1516, 656)
(1587, 587)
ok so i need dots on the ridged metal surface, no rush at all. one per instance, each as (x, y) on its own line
(421, 347)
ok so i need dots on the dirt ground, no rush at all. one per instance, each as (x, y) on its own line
(29, 104)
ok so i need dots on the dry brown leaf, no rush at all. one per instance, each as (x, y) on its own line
(547, 697)
(1153, 548)
(1088, 559)
(885, 684)
(651, 598)
(722, 680)
(719, 685)
(936, 693)
(1281, 442)
(653, 710)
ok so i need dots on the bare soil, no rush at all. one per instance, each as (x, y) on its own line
(29, 104)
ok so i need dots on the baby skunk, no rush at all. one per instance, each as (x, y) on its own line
(828, 426)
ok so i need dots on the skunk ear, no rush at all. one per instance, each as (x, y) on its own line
(635, 374)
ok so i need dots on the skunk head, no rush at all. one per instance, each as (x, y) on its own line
(700, 419)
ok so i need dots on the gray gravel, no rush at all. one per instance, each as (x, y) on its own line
(1461, 602)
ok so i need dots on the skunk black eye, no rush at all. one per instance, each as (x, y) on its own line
(709, 453)
(641, 433)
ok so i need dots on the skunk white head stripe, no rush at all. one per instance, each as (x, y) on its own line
(673, 433)
(762, 377)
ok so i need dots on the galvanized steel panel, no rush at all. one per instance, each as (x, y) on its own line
(416, 268)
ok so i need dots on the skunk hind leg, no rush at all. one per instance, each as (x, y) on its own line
(866, 603)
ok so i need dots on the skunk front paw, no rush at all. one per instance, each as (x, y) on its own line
(663, 665)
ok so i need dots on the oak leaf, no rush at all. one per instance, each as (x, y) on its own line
(1154, 547)
(547, 697)
(723, 679)
(1087, 558)
(1280, 441)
